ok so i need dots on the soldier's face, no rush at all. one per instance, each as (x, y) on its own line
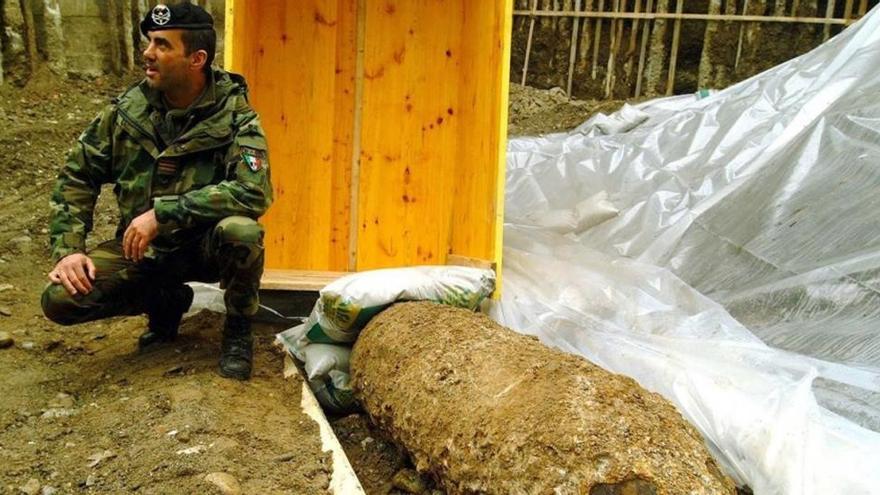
(166, 63)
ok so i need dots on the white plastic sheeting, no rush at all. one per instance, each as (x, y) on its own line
(735, 268)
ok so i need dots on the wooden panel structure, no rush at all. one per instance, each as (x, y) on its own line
(312, 280)
(298, 58)
(386, 122)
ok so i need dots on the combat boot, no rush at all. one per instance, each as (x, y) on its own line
(237, 350)
(167, 307)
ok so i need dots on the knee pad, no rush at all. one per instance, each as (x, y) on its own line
(59, 306)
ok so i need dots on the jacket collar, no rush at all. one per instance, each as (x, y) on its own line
(213, 126)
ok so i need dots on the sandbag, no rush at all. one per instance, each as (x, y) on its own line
(347, 304)
(323, 342)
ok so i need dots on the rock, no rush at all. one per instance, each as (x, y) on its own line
(48, 490)
(557, 92)
(32, 487)
(6, 287)
(5, 311)
(62, 401)
(53, 344)
(99, 457)
(57, 413)
(227, 484)
(91, 480)
(28, 346)
(224, 444)
(5, 340)
(287, 456)
(183, 437)
(175, 370)
(198, 449)
(409, 481)
(22, 243)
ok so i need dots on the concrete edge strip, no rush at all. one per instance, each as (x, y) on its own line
(343, 480)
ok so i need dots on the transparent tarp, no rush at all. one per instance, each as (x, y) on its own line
(725, 252)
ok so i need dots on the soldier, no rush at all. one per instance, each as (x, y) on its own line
(187, 158)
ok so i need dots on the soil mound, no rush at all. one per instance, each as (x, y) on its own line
(533, 111)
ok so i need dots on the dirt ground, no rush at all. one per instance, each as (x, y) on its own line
(82, 412)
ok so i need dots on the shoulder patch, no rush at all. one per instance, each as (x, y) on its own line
(255, 158)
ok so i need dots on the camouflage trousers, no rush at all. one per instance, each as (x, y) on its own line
(231, 253)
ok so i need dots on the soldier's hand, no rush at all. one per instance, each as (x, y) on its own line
(140, 232)
(75, 272)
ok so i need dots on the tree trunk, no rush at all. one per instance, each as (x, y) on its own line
(655, 72)
(718, 57)
(585, 42)
(706, 74)
(632, 52)
(50, 34)
(1, 49)
(2, 35)
(127, 34)
(808, 36)
(30, 34)
(749, 62)
(139, 11)
(112, 18)
(581, 85)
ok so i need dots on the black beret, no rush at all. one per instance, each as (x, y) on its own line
(180, 16)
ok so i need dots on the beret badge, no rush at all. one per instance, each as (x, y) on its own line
(161, 14)
(182, 15)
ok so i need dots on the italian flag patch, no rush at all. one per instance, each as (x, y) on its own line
(255, 159)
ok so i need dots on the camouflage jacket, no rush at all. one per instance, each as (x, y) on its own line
(216, 167)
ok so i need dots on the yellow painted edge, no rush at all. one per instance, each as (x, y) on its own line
(502, 146)
(228, 34)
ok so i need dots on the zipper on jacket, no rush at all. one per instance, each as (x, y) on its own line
(152, 171)
(128, 118)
